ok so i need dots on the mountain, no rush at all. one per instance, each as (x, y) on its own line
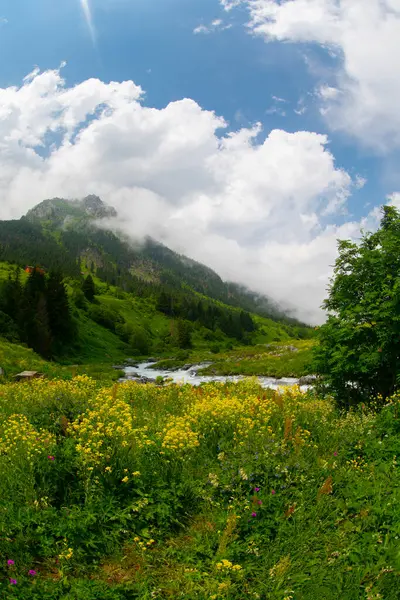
(61, 212)
(74, 235)
(149, 261)
(140, 296)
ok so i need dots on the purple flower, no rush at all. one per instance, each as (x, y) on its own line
(256, 489)
(13, 581)
(273, 492)
(51, 457)
(10, 563)
(259, 502)
(32, 573)
(335, 454)
(253, 514)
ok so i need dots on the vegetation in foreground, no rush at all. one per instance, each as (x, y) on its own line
(358, 355)
(224, 491)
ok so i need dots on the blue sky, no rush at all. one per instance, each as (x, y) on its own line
(236, 70)
(152, 42)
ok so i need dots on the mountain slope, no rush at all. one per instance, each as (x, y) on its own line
(68, 231)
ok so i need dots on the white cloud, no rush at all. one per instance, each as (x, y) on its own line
(363, 96)
(229, 4)
(215, 25)
(256, 210)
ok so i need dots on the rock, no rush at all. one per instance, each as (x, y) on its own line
(118, 367)
(307, 380)
(130, 362)
(187, 367)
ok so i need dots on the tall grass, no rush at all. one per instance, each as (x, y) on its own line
(224, 491)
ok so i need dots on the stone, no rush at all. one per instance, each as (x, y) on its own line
(307, 380)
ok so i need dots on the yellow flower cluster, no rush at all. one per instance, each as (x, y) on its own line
(240, 416)
(179, 436)
(67, 554)
(226, 565)
(144, 545)
(19, 437)
(107, 423)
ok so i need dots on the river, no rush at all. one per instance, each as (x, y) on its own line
(190, 375)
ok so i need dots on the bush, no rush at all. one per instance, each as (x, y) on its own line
(105, 316)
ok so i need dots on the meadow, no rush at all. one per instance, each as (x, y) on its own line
(226, 491)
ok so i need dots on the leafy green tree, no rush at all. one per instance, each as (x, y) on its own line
(139, 340)
(88, 288)
(358, 354)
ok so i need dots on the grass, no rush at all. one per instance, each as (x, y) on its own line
(15, 358)
(289, 359)
(223, 492)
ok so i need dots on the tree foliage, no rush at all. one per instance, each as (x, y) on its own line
(88, 288)
(359, 350)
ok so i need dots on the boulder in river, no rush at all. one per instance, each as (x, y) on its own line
(307, 380)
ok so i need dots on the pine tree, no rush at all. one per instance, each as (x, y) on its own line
(183, 334)
(164, 303)
(88, 288)
(60, 320)
(34, 319)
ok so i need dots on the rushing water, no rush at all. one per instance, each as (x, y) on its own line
(190, 376)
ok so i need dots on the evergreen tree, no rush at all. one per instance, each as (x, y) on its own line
(34, 319)
(164, 303)
(183, 334)
(88, 288)
(60, 320)
(11, 296)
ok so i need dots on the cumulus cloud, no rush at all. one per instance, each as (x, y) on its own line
(259, 210)
(363, 95)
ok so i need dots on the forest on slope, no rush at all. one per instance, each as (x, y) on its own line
(70, 289)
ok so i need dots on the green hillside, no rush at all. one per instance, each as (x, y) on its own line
(63, 233)
(143, 300)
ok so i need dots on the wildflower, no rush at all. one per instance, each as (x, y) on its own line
(273, 492)
(125, 479)
(259, 502)
(10, 563)
(13, 581)
(51, 457)
(136, 473)
(335, 454)
(256, 489)
(32, 572)
(253, 514)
